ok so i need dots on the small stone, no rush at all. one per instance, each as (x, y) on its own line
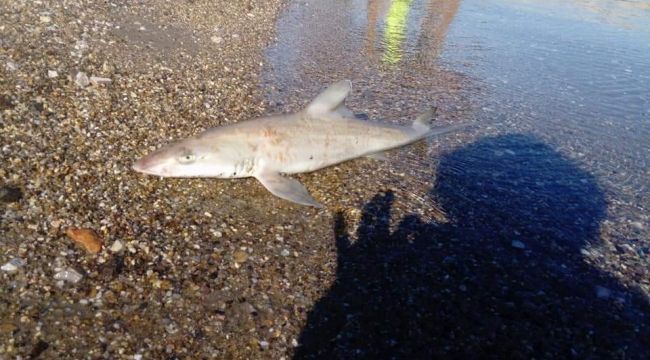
(117, 246)
(264, 345)
(45, 19)
(86, 238)
(10, 194)
(285, 252)
(637, 225)
(603, 292)
(628, 248)
(137, 357)
(56, 223)
(518, 244)
(216, 39)
(11, 66)
(69, 275)
(81, 45)
(82, 79)
(100, 80)
(13, 265)
(294, 342)
(240, 256)
(7, 328)
(52, 74)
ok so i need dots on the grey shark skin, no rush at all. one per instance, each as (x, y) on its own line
(323, 134)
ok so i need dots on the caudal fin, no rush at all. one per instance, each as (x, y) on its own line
(423, 122)
(422, 125)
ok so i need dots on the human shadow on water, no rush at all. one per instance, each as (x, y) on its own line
(504, 278)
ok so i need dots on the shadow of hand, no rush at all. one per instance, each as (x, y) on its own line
(504, 279)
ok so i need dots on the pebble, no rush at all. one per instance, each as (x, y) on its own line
(10, 194)
(285, 252)
(518, 244)
(117, 246)
(216, 39)
(82, 79)
(637, 225)
(13, 265)
(52, 74)
(603, 292)
(45, 19)
(11, 66)
(99, 80)
(86, 238)
(56, 223)
(240, 256)
(264, 345)
(69, 275)
(7, 328)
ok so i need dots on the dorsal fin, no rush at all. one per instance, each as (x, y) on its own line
(330, 99)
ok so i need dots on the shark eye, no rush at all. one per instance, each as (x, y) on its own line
(186, 158)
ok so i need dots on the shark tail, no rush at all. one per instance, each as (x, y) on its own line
(423, 121)
(422, 125)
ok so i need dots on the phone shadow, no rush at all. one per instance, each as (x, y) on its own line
(505, 278)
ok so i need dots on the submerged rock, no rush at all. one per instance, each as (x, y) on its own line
(518, 244)
(603, 292)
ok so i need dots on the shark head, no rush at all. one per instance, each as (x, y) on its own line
(187, 158)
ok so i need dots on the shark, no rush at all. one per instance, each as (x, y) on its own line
(270, 148)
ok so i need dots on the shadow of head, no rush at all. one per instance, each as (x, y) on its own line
(504, 279)
(516, 188)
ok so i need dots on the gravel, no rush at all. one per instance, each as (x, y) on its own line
(204, 268)
(86, 89)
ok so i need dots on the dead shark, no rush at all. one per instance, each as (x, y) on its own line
(325, 133)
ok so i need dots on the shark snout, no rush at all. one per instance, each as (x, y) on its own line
(147, 165)
(139, 166)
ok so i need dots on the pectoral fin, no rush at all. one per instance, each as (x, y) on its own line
(287, 188)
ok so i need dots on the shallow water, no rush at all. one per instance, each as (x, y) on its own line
(556, 163)
(576, 75)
